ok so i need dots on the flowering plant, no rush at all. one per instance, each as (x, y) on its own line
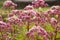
(29, 24)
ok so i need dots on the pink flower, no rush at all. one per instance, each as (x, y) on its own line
(46, 4)
(45, 37)
(53, 21)
(30, 13)
(13, 4)
(2, 23)
(46, 14)
(12, 7)
(39, 30)
(4, 26)
(10, 20)
(39, 3)
(28, 34)
(29, 7)
(55, 7)
(9, 3)
(9, 28)
(4, 36)
(11, 14)
(42, 30)
(55, 10)
(52, 11)
(15, 11)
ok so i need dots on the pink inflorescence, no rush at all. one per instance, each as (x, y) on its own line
(53, 10)
(17, 20)
(53, 21)
(29, 7)
(10, 4)
(14, 20)
(39, 30)
(39, 3)
(5, 27)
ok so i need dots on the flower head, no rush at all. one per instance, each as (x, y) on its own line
(39, 3)
(9, 3)
(53, 21)
(29, 7)
(39, 30)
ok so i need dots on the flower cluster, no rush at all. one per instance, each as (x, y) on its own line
(10, 4)
(39, 30)
(54, 12)
(30, 23)
(14, 20)
(39, 3)
(29, 15)
(5, 28)
(29, 7)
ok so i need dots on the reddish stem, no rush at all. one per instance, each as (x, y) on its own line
(27, 26)
(55, 33)
(59, 18)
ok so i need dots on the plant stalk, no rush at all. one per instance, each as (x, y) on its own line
(55, 33)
